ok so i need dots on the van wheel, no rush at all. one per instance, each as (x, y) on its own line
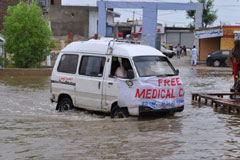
(118, 112)
(65, 104)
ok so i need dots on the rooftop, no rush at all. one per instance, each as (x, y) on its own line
(119, 48)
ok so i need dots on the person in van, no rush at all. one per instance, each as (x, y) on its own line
(121, 71)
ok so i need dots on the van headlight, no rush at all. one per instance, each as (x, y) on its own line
(209, 55)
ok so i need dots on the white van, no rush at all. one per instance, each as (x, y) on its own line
(86, 75)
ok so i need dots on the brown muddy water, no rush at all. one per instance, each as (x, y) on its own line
(31, 128)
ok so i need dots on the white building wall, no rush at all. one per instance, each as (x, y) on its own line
(93, 21)
(93, 14)
(93, 18)
(110, 19)
(90, 3)
(163, 38)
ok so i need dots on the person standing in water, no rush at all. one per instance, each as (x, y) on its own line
(194, 56)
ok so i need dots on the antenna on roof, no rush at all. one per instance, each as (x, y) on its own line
(110, 46)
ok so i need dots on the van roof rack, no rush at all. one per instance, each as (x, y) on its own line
(126, 40)
(111, 43)
(133, 41)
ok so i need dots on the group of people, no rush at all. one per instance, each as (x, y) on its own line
(193, 53)
(179, 49)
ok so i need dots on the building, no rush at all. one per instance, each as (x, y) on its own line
(133, 27)
(129, 27)
(3, 9)
(172, 36)
(68, 20)
(93, 21)
(78, 17)
(2, 52)
(4, 4)
(216, 38)
(178, 35)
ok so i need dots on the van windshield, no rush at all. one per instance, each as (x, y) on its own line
(153, 66)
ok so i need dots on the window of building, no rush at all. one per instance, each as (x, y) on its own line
(52, 2)
(68, 63)
(92, 66)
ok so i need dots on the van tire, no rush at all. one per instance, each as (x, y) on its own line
(118, 112)
(65, 104)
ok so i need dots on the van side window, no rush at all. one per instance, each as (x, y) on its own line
(92, 66)
(68, 63)
(119, 67)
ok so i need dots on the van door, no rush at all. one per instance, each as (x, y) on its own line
(63, 77)
(110, 82)
(89, 82)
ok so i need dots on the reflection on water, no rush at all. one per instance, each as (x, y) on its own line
(31, 128)
(38, 82)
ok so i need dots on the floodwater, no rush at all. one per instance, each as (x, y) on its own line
(31, 128)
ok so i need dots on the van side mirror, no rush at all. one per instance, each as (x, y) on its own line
(130, 74)
(177, 71)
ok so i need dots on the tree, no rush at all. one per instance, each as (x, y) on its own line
(209, 14)
(27, 35)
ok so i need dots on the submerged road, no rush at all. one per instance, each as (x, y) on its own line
(31, 128)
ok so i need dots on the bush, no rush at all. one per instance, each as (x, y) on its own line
(27, 35)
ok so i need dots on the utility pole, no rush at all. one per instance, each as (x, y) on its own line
(133, 15)
(134, 28)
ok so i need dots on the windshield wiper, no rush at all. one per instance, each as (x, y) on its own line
(166, 75)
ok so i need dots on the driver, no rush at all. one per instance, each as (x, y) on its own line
(121, 71)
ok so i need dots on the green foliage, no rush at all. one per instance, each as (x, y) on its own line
(10, 65)
(27, 35)
(191, 27)
(209, 15)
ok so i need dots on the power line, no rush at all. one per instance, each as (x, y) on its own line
(227, 6)
(159, 14)
(159, 19)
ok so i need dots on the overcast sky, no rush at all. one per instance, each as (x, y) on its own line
(228, 12)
